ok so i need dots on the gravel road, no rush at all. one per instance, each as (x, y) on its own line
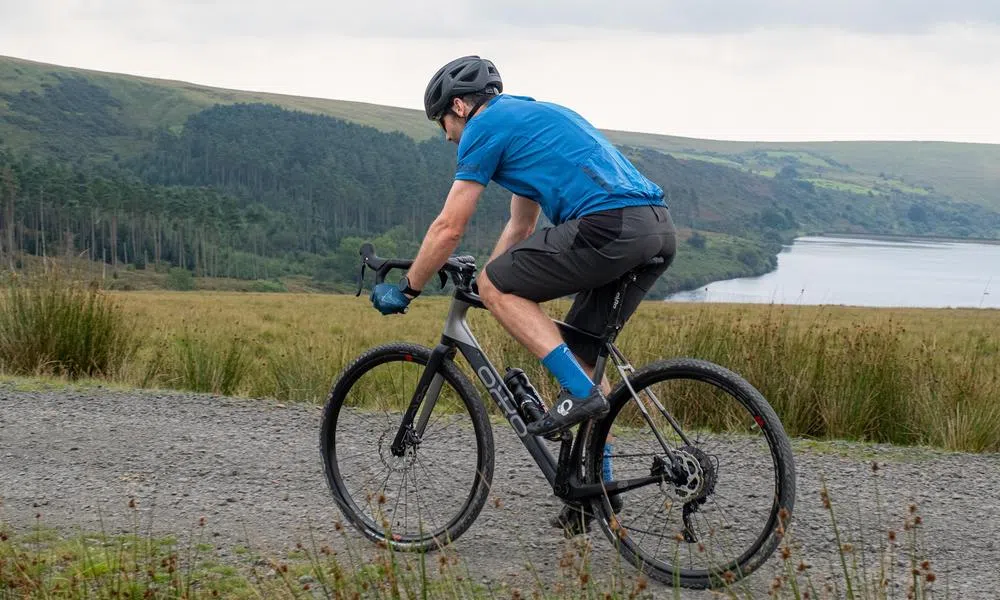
(251, 467)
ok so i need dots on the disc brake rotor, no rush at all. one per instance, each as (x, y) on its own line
(700, 477)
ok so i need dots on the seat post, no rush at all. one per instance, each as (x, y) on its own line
(615, 323)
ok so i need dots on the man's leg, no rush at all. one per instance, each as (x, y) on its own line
(524, 319)
(528, 324)
(590, 312)
(605, 384)
(521, 317)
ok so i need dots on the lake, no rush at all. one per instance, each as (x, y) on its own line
(869, 272)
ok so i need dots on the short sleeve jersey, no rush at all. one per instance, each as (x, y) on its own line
(551, 155)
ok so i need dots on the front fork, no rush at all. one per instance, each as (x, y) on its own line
(424, 399)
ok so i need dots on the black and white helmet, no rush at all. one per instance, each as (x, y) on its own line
(466, 75)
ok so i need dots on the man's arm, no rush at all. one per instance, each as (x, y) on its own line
(445, 232)
(523, 216)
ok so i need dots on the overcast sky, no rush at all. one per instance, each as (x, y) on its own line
(724, 69)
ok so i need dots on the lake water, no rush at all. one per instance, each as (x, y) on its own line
(864, 272)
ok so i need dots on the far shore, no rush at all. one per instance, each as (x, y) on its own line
(904, 238)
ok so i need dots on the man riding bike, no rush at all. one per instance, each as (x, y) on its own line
(607, 220)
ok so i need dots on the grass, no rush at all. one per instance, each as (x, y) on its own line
(40, 562)
(129, 278)
(903, 376)
(967, 172)
(812, 168)
(842, 186)
(149, 103)
(44, 563)
(50, 326)
(802, 157)
(706, 158)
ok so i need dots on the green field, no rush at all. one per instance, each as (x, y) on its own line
(968, 172)
(907, 376)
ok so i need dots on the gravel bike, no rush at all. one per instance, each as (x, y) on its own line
(703, 477)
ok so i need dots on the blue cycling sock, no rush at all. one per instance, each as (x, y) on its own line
(606, 472)
(561, 363)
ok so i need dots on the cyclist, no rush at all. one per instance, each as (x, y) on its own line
(607, 219)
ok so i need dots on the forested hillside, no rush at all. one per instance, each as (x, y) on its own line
(256, 191)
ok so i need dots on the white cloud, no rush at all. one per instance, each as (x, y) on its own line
(196, 19)
(767, 83)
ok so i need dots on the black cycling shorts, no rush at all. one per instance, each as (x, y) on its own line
(587, 257)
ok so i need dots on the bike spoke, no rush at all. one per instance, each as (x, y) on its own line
(434, 523)
(725, 443)
(399, 497)
(648, 505)
(371, 479)
(644, 532)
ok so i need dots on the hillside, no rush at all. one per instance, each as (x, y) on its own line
(136, 172)
(965, 172)
(144, 104)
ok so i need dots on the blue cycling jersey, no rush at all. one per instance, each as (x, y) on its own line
(551, 155)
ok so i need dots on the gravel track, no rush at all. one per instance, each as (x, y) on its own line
(252, 469)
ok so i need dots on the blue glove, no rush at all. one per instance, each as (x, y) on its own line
(389, 299)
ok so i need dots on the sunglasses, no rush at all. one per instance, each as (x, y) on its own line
(440, 120)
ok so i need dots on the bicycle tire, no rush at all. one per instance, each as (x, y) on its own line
(676, 374)
(338, 431)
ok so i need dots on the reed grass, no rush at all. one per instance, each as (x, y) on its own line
(905, 376)
(51, 326)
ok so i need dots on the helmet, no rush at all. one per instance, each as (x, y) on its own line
(466, 75)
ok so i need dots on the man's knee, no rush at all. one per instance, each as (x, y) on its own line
(488, 292)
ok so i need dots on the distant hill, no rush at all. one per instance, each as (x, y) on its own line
(143, 104)
(964, 172)
(142, 173)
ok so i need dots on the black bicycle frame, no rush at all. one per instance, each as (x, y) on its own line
(561, 474)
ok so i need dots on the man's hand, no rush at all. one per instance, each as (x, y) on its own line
(389, 299)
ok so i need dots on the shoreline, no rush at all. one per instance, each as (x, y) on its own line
(901, 237)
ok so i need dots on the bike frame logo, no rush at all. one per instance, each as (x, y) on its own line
(502, 397)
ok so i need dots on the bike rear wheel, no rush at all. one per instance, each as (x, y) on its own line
(430, 495)
(727, 518)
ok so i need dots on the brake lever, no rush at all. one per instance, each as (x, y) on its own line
(444, 279)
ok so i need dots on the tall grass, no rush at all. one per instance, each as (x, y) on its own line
(199, 364)
(823, 379)
(49, 325)
(297, 372)
(905, 376)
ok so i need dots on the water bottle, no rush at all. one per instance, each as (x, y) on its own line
(526, 399)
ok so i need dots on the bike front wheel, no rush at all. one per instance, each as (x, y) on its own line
(726, 516)
(429, 495)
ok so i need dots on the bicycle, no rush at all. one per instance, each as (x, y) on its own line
(400, 407)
